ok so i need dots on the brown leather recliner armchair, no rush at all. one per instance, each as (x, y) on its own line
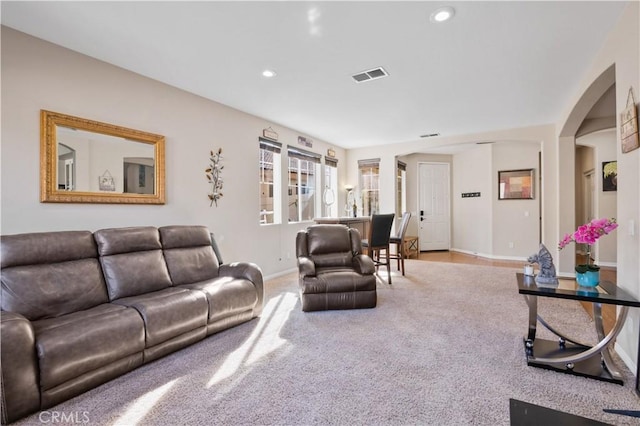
(333, 272)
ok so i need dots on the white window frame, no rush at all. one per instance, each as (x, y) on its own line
(270, 214)
(369, 177)
(401, 188)
(303, 190)
(330, 187)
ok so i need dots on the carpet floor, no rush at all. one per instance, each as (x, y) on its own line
(443, 347)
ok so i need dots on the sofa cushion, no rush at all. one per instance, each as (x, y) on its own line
(189, 254)
(191, 265)
(132, 274)
(227, 296)
(132, 261)
(343, 259)
(45, 275)
(169, 313)
(329, 245)
(127, 240)
(77, 343)
(47, 291)
(181, 236)
(323, 239)
(46, 247)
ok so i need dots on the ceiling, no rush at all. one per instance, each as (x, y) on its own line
(495, 65)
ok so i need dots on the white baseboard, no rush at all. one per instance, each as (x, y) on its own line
(490, 256)
(524, 259)
(279, 274)
(626, 358)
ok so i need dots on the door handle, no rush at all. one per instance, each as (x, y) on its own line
(421, 215)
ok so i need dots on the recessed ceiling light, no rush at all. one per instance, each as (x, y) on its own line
(442, 14)
(268, 73)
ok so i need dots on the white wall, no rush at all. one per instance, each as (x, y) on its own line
(472, 225)
(38, 75)
(516, 223)
(486, 226)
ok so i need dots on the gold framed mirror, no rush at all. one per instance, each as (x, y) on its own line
(85, 161)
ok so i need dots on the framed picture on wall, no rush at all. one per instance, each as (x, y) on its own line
(515, 184)
(629, 125)
(609, 175)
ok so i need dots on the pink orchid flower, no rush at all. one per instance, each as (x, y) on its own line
(590, 232)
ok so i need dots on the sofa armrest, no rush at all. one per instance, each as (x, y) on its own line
(363, 264)
(306, 267)
(248, 271)
(20, 393)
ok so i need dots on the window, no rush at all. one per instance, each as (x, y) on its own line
(304, 173)
(270, 178)
(370, 183)
(401, 188)
(329, 196)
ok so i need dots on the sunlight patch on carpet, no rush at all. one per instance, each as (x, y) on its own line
(264, 339)
(139, 409)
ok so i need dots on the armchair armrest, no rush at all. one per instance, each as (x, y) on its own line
(20, 393)
(248, 271)
(363, 264)
(306, 267)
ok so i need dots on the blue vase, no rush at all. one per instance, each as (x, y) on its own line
(588, 279)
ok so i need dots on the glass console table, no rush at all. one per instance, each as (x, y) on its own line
(568, 355)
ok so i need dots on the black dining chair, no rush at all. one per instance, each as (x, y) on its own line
(398, 241)
(379, 239)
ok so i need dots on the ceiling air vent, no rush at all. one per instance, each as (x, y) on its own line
(370, 75)
(430, 135)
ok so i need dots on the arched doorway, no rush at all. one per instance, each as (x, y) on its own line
(573, 127)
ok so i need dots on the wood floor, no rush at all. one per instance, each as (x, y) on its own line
(606, 274)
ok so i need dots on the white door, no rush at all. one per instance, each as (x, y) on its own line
(433, 206)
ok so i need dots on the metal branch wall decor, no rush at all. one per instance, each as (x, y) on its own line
(214, 176)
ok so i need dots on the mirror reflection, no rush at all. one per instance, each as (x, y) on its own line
(94, 162)
(85, 161)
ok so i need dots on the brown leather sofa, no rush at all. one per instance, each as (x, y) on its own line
(79, 309)
(333, 272)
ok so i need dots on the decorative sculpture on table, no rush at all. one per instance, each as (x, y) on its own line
(547, 275)
(214, 176)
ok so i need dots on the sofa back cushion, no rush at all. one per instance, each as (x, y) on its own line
(188, 251)
(132, 261)
(49, 274)
(329, 245)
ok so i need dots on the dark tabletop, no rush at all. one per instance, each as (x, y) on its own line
(606, 292)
